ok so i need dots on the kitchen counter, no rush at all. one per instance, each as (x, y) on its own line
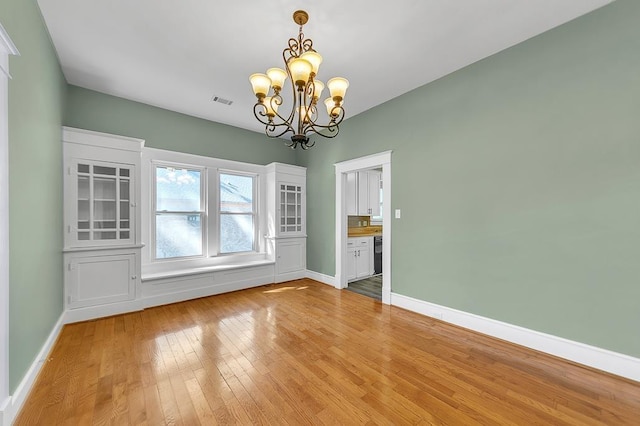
(365, 231)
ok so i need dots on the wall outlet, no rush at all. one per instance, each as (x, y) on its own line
(398, 214)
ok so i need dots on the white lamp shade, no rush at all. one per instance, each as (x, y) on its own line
(331, 104)
(277, 76)
(314, 58)
(318, 88)
(271, 106)
(338, 87)
(300, 71)
(260, 84)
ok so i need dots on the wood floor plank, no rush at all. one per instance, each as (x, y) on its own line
(305, 353)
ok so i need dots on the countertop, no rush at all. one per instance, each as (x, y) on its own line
(365, 231)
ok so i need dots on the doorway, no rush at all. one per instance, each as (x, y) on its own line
(375, 161)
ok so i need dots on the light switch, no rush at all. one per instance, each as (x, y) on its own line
(397, 213)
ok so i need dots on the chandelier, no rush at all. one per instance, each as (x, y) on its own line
(301, 66)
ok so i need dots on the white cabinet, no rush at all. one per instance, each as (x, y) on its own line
(291, 258)
(359, 258)
(101, 237)
(363, 193)
(95, 277)
(286, 220)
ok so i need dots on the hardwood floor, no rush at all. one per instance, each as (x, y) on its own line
(305, 353)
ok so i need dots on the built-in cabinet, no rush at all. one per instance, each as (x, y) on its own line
(286, 220)
(359, 258)
(363, 193)
(101, 233)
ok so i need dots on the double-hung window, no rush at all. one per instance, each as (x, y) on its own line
(237, 211)
(180, 214)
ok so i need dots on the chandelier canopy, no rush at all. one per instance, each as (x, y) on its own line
(301, 63)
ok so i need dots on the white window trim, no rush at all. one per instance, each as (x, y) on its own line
(6, 48)
(152, 157)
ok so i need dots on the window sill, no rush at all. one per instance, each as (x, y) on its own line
(186, 271)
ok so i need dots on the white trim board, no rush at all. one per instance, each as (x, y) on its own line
(6, 48)
(591, 356)
(322, 278)
(382, 159)
(9, 413)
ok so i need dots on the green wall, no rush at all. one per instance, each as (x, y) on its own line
(36, 99)
(163, 129)
(519, 183)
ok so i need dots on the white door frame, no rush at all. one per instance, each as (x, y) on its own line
(6, 48)
(383, 160)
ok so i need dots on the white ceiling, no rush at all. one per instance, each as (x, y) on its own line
(178, 54)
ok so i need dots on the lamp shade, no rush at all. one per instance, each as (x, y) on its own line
(300, 71)
(271, 106)
(332, 108)
(260, 84)
(314, 59)
(338, 87)
(277, 76)
(318, 87)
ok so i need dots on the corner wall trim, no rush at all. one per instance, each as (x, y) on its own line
(591, 356)
(22, 391)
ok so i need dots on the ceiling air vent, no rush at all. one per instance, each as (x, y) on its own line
(221, 100)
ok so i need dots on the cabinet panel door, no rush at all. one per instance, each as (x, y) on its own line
(374, 192)
(351, 263)
(95, 280)
(291, 256)
(352, 194)
(102, 195)
(363, 265)
(363, 194)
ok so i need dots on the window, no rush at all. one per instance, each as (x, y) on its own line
(237, 213)
(179, 212)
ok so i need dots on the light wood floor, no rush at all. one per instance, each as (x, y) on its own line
(305, 353)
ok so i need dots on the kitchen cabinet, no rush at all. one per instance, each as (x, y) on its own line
(359, 258)
(363, 193)
(101, 220)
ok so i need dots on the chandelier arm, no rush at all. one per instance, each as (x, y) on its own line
(277, 99)
(258, 111)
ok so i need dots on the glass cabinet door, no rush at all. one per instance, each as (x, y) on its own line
(104, 202)
(290, 208)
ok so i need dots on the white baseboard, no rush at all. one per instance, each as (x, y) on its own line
(195, 293)
(324, 279)
(11, 407)
(101, 311)
(4, 417)
(591, 356)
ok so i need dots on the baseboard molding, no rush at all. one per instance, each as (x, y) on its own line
(181, 296)
(101, 311)
(4, 417)
(591, 356)
(14, 404)
(324, 279)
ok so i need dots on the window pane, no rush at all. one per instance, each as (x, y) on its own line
(236, 233)
(177, 189)
(178, 235)
(236, 193)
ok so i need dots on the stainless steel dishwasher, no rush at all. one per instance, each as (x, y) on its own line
(377, 255)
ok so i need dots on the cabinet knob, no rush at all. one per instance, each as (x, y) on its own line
(133, 277)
